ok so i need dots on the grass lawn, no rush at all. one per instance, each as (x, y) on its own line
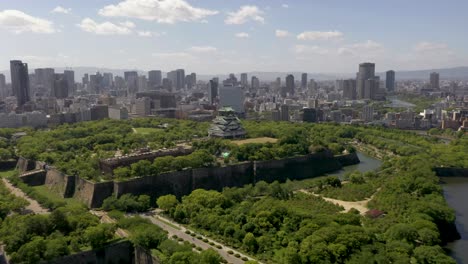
(146, 130)
(53, 196)
(7, 173)
(261, 140)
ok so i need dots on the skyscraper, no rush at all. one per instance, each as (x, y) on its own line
(244, 79)
(349, 89)
(44, 80)
(434, 78)
(20, 81)
(60, 89)
(304, 81)
(370, 88)
(366, 72)
(290, 84)
(390, 81)
(70, 77)
(131, 78)
(212, 91)
(154, 79)
(231, 96)
(177, 78)
(3, 92)
(255, 83)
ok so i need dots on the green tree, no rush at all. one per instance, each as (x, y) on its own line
(210, 256)
(97, 236)
(250, 242)
(167, 202)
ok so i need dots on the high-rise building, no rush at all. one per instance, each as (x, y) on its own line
(143, 106)
(167, 84)
(96, 85)
(368, 113)
(3, 91)
(231, 96)
(20, 81)
(255, 83)
(193, 78)
(212, 91)
(434, 78)
(304, 81)
(278, 81)
(390, 81)
(108, 80)
(366, 72)
(284, 112)
(70, 78)
(177, 78)
(309, 115)
(154, 79)
(371, 87)
(349, 89)
(142, 84)
(290, 86)
(244, 79)
(85, 79)
(131, 78)
(44, 80)
(60, 89)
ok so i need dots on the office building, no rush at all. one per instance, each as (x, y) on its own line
(370, 88)
(290, 86)
(85, 79)
(167, 84)
(212, 91)
(366, 72)
(177, 78)
(255, 83)
(70, 78)
(231, 96)
(118, 112)
(20, 81)
(434, 79)
(131, 79)
(107, 80)
(60, 88)
(368, 113)
(96, 85)
(284, 112)
(44, 79)
(390, 81)
(154, 79)
(143, 106)
(3, 88)
(349, 89)
(244, 79)
(304, 81)
(142, 84)
(309, 115)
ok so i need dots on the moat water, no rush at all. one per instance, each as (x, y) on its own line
(367, 164)
(456, 195)
(397, 103)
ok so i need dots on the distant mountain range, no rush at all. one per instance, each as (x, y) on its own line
(459, 73)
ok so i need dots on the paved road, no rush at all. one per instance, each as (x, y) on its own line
(180, 232)
(33, 206)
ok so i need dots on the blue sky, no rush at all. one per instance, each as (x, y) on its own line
(214, 36)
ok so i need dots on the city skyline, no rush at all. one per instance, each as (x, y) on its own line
(210, 37)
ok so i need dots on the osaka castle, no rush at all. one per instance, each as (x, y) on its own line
(226, 125)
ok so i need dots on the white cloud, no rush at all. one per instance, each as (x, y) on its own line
(145, 33)
(202, 49)
(106, 28)
(245, 14)
(281, 33)
(429, 46)
(306, 49)
(242, 35)
(61, 10)
(19, 22)
(172, 55)
(320, 35)
(368, 47)
(162, 11)
(285, 6)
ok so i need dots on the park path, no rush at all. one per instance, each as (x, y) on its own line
(33, 206)
(174, 228)
(361, 206)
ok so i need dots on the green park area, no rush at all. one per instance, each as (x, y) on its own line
(408, 219)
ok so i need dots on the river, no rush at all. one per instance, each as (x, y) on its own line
(456, 196)
(367, 164)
